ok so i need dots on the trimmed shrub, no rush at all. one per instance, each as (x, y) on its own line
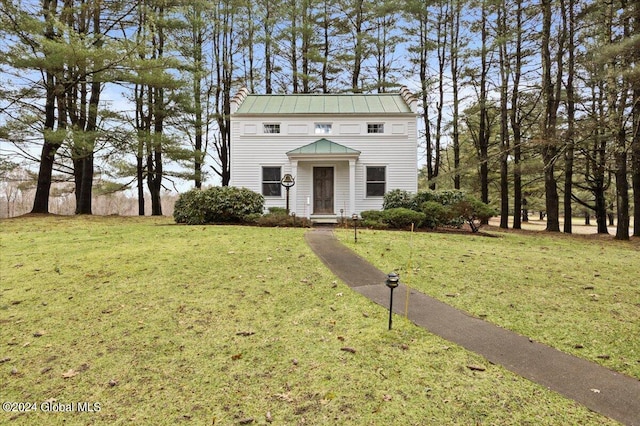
(472, 209)
(373, 224)
(435, 214)
(220, 204)
(402, 217)
(372, 215)
(445, 198)
(373, 219)
(278, 210)
(397, 198)
(190, 208)
(283, 220)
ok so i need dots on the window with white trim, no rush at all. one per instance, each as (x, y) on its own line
(375, 127)
(376, 181)
(271, 128)
(323, 128)
(271, 181)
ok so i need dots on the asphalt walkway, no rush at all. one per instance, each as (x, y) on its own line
(609, 393)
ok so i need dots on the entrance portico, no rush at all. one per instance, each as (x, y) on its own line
(326, 174)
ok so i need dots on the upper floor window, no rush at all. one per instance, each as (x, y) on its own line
(271, 181)
(375, 128)
(271, 128)
(323, 128)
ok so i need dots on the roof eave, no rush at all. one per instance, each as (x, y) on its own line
(323, 157)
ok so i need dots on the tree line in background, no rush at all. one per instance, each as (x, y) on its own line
(529, 104)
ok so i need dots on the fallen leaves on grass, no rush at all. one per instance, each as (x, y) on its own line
(284, 397)
(348, 349)
(475, 367)
(69, 373)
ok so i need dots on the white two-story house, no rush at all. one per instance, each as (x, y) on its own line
(344, 151)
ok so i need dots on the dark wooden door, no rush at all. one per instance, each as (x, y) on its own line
(323, 190)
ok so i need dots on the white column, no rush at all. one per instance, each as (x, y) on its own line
(352, 187)
(293, 192)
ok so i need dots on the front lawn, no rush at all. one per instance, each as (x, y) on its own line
(156, 323)
(579, 294)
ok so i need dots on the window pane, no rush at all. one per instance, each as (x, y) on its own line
(272, 128)
(271, 174)
(375, 174)
(271, 189)
(375, 128)
(271, 181)
(323, 128)
(375, 189)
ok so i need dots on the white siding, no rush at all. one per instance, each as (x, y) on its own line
(396, 149)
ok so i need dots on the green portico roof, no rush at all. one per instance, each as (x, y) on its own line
(324, 147)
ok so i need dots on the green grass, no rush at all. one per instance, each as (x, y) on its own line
(162, 324)
(578, 294)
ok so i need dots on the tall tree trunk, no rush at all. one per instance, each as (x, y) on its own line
(140, 181)
(268, 47)
(571, 108)
(454, 50)
(504, 118)
(618, 89)
(293, 52)
(516, 127)
(326, 25)
(484, 132)
(154, 158)
(359, 45)
(51, 141)
(223, 61)
(635, 149)
(441, 34)
(635, 140)
(550, 91)
(197, 73)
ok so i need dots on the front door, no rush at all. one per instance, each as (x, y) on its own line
(323, 190)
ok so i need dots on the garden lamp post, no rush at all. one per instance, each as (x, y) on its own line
(354, 218)
(392, 282)
(287, 181)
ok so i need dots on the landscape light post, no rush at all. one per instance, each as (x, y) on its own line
(392, 283)
(287, 181)
(354, 218)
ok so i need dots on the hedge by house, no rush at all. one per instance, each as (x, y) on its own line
(219, 204)
(427, 209)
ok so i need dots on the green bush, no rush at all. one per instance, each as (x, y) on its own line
(397, 198)
(472, 209)
(278, 210)
(372, 215)
(190, 208)
(220, 204)
(373, 224)
(402, 217)
(283, 220)
(435, 214)
(445, 198)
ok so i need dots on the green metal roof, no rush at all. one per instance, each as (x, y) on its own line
(324, 104)
(324, 147)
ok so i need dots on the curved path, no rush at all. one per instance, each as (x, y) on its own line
(612, 394)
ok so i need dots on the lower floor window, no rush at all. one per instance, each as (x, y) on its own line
(376, 181)
(271, 181)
